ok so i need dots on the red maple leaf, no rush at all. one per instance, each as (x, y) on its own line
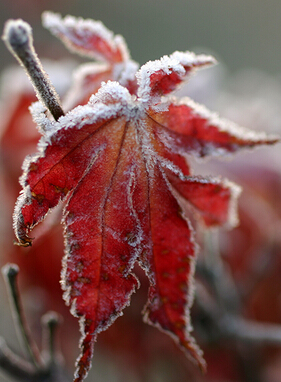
(119, 163)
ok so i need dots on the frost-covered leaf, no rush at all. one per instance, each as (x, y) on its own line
(92, 39)
(162, 76)
(119, 164)
(87, 37)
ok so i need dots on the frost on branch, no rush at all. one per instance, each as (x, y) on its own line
(119, 165)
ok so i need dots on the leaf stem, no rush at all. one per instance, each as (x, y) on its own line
(18, 38)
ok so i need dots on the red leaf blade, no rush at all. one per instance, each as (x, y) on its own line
(161, 77)
(213, 199)
(103, 238)
(49, 175)
(170, 266)
(87, 37)
(190, 127)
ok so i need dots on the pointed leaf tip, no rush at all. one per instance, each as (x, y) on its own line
(87, 37)
(161, 77)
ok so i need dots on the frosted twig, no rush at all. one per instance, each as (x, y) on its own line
(18, 38)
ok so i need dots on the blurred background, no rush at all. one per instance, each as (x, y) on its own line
(242, 33)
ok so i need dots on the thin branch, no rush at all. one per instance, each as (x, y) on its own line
(10, 272)
(50, 322)
(220, 278)
(13, 365)
(18, 38)
(252, 331)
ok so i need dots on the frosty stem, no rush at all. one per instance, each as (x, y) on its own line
(17, 36)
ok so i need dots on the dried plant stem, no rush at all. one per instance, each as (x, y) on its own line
(218, 275)
(46, 367)
(17, 36)
(253, 332)
(50, 322)
(10, 272)
(13, 364)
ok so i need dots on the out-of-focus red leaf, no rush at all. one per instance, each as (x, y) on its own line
(19, 137)
(18, 133)
(119, 163)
